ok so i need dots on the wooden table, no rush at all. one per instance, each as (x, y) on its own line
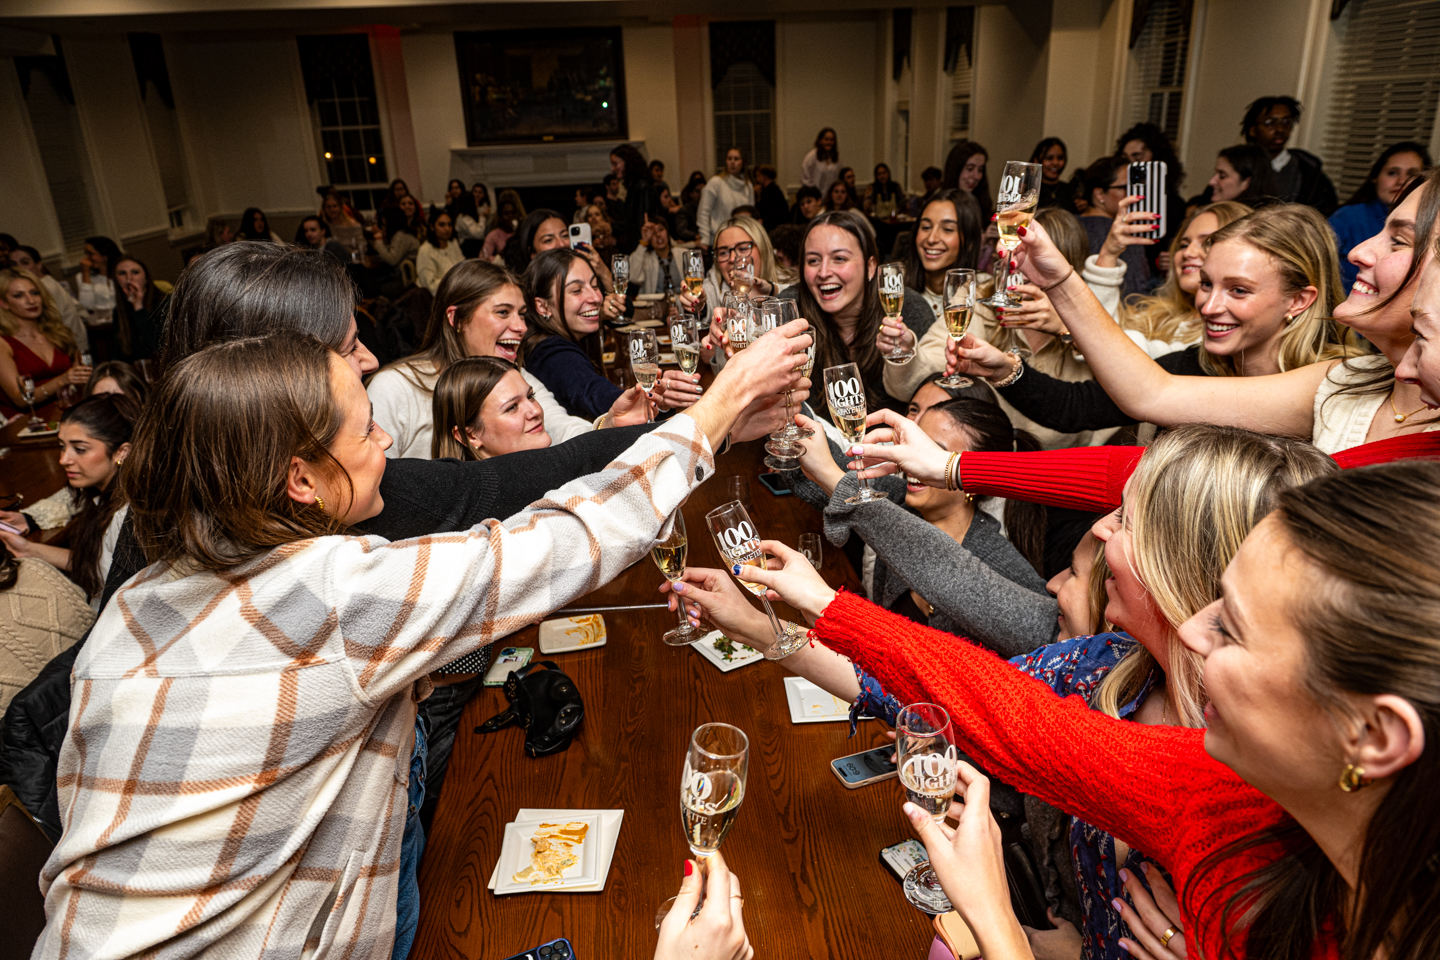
(32, 467)
(805, 848)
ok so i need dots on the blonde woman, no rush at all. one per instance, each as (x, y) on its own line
(35, 344)
(1271, 355)
(739, 239)
(1193, 499)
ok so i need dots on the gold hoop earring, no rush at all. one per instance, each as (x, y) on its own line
(1352, 778)
(320, 501)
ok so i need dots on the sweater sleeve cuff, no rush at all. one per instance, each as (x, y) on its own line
(1079, 478)
(856, 628)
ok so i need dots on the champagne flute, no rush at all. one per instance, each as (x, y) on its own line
(645, 359)
(926, 759)
(1019, 196)
(27, 393)
(669, 556)
(740, 327)
(685, 341)
(620, 270)
(959, 303)
(695, 273)
(845, 392)
(782, 444)
(742, 275)
(892, 299)
(739, 545)
(712, 787)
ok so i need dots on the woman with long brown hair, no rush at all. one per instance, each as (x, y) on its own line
(479, 311)
(254, 461)
(485, 408)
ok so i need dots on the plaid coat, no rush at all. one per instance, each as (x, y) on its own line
(233, 780)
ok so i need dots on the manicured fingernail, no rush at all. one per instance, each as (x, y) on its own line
(735, 569)
(689, 868)
(1117, 904)
(679, 588)
(856, 450)
(913, 812)
(1124, 946)
(1020, 230)
(1125, 876)
(694, 622)
(994, 217)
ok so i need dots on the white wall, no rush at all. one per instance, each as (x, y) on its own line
(246, 124)
(432, 76)
(25, 207)
(825, 77)
(1011, 68)
(650, 103)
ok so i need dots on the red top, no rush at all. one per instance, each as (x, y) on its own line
(1153, 787)
(29, 364)
(1091, 478)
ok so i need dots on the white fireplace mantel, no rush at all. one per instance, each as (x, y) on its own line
(535, 164)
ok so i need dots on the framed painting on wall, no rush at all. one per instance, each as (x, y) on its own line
(537, 86)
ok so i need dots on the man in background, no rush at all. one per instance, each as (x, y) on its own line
(1268, 124)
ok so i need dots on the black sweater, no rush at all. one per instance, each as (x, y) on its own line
(421, 497)
(1074, 406)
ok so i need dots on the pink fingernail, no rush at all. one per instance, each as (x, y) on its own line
(856, 450)
(1117, 904)
(1125, 875)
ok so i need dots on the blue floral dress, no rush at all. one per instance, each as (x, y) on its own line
(1069, 667)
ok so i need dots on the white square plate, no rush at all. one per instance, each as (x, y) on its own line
(667, 358)
(566, 634)
(610, 821)
(515, 856)
(705, 646)
(812, 704)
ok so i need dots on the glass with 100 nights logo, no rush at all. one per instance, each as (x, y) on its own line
(739, 546)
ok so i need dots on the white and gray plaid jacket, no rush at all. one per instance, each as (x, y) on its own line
(233, 780)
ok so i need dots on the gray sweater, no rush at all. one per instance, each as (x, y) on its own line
(981, 588)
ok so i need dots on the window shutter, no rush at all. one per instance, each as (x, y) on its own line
(56, 125)
(1384, 87)
(1155, 88)
(962, 87)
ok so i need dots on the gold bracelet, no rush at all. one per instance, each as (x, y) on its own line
(949, 465)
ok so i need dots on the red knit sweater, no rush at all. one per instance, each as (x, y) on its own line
(1091, 478)
(1153, 787)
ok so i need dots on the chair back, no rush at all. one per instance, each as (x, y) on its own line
(24, 848)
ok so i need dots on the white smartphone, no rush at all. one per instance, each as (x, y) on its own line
(511, 658)
(579, 233)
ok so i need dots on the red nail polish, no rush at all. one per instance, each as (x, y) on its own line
(689, 868)
(1020, 230)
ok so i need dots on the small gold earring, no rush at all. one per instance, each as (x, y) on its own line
(320, 501)
(1289, 319)
(1352, 778)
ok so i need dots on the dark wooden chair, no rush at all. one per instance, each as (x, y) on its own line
(23, 852)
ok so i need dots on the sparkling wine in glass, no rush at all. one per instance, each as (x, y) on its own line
(712, 787)
(782, 445)
(695, 273)
(892, 299)
(925, 755)
(1019, 196)
(685, 341)
(742, 275)
(845, 392)
(669, 556)
(645, 359)
(959, 303)
(620, 270)
(739, 544)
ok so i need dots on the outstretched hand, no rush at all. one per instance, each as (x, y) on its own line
(899, 445)
(791, 578)
(1044, 264)
(1152, 918)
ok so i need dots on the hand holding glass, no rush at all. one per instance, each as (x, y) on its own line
(892, 299)
(1019, 196)
(685, 341)
(669, 556)
(926, 758)
(620, 270)
(845, 392)
(739, 544)
(959, 305)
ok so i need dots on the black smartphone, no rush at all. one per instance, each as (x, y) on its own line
(1147, 181)
(554, 950)
(775, 484)
(870, 766)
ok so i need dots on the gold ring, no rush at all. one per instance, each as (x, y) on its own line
(1165, 937)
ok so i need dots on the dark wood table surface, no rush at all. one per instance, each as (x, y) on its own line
(806, 849)
(32, 467)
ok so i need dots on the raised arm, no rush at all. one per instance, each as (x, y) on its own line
(1278, 404)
